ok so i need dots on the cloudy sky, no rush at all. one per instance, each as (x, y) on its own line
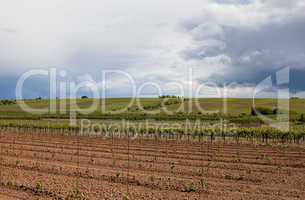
(193, 44)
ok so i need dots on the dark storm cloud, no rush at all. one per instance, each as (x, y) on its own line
(7, 87)
(255, 52)
(297, 80)
(33, 87)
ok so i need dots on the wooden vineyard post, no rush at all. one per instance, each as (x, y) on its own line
(154, 159)
(112, 150)
(166, 149)
(201, 178)
(208, 158)
(1, 160)
(128, 161)
(78, 161)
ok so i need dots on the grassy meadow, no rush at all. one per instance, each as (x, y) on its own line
(153, 109)
(232, 107)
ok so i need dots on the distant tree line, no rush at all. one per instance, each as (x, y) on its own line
(7, 102)
(170, 97)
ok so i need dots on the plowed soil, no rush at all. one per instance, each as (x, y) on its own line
(36, 166)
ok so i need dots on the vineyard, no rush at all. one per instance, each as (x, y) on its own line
(189, 132)
(56, 166)
(144, 156)
(152, 100)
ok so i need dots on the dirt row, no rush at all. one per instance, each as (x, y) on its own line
(142, 161)
(170, 156)
(222, 150)
(47, 167)
(161, 144)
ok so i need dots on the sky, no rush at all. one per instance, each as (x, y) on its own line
(180, 47)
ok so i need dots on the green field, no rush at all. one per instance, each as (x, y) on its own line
(157, 109)
(160, 115)
(157, 105)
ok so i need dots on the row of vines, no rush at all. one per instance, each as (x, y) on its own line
(260, 134)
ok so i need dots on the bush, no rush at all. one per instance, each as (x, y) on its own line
(263, 111)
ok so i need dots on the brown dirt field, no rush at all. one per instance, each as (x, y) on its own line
(35, 166)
